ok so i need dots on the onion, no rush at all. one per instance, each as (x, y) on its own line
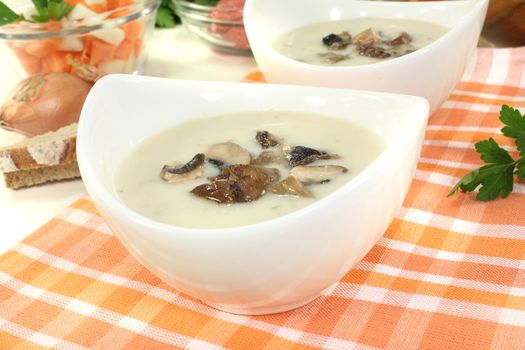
(44, 102)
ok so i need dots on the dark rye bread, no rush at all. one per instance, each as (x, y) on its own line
(40, 159)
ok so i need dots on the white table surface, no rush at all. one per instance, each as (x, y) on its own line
(174, 53)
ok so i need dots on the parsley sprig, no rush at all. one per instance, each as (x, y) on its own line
(50, 9)
(46, 10)
(8, 16)
(497, 177)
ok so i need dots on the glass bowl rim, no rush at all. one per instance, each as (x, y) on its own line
(202, 20)
(31, 31)
(195, 6)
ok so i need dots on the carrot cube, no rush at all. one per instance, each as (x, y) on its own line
(98, 8)
(42, 47)
(122, 3)
(101, 51)
(74, 2)
(112, 4)
(132, 30)
(124, 49)
(53, 25)
(56, 62)
(88, 42)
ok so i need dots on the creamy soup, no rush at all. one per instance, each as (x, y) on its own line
(140, 186)
(361, 41)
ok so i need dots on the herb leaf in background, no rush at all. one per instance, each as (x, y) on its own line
(166, 16)
(497, 177)
(206, 2)
(8, 16)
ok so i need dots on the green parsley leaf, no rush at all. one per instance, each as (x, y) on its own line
(50, 10)
(497, 177)
(8, 16)
(496, 180)
(491, 152)
(514, 121)
(468, 183)
(520, 165)
(58, 9)
(40, 5)
(42, 16)
(164, 18)
(520, 143)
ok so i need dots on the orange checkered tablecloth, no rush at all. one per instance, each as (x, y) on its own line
(449, 273)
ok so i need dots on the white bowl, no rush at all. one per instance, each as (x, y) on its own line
(430, 72)
(266, 267)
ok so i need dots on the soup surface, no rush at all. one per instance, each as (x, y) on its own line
(325, 44)
(141, 188)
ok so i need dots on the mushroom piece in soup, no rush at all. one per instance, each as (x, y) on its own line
(352, 42)
(242, 168)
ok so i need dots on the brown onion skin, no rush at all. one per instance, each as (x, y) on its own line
(44, 102)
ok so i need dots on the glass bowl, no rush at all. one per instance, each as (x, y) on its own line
(85, 43)
(221, 27)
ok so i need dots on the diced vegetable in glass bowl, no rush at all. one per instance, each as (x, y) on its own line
(59, 48)
(88, 38)
(219, 24)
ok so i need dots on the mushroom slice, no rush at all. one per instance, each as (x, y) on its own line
(332, 57)
(266, 140)
(266, 157)
(238, 183)
(188, 171)
(290, 186)
(228, 153)
(216, 163)
(251, 173)
(219, 190)
(402, 39)
(272, 174)
(284, 152)
(373, 51)
(367, 37)
(300, 155)
(317, 174)
(337, 41)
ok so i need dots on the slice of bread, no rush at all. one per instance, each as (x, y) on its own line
(40, 159)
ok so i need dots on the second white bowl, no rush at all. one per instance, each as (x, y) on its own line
(430, 72)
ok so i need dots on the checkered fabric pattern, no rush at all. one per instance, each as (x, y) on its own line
(449, 273)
